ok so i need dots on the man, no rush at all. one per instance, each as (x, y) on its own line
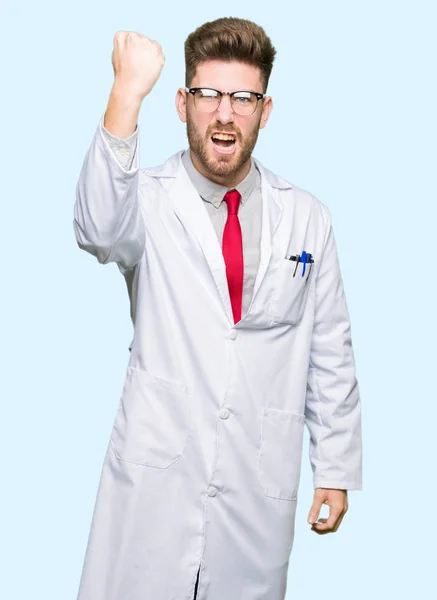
(241, 337)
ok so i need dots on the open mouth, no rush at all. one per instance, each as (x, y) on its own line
(223, 140)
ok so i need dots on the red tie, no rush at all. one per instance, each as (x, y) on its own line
(232, 246)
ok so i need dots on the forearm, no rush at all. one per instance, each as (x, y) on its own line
(122, 112)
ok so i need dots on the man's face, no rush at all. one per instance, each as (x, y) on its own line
(218, 159)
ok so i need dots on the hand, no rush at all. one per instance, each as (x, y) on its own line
(137, 62)
(338, 506)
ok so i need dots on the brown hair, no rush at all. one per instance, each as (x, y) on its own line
(229, 39)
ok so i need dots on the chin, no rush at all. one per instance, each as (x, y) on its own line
(223, 167)
(227, 161)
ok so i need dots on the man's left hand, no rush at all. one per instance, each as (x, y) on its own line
(338, 505)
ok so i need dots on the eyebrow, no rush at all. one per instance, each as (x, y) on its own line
(209, 87)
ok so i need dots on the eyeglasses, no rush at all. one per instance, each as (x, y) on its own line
(207, 100)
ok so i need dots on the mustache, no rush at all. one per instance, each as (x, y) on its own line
(217, 129)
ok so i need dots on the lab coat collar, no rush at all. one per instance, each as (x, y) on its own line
(191, 211)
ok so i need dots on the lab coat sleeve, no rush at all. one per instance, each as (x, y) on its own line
(124, 149)
(108, 220)
(333, 407)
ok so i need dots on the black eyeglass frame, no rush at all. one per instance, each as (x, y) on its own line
(230, 94)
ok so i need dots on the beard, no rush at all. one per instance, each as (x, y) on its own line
(221, 165)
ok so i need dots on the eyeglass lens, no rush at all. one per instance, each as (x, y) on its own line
(207, 101)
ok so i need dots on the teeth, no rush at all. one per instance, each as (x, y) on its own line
(222, 136)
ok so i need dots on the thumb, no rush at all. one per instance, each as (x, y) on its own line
(313, 515)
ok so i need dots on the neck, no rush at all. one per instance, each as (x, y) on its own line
(230, 181)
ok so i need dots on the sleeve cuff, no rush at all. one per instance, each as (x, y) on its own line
(338, 485)
(124, 151)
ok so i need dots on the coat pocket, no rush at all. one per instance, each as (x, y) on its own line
(291, 293)
(153, 420)
(280, 454)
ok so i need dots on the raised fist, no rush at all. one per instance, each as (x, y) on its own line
(137, 62)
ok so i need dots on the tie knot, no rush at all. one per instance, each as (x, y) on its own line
(232, 199)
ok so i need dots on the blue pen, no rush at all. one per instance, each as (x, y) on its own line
(303, 259)
(310, 260)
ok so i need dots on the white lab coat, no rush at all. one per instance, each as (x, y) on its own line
(204, 459)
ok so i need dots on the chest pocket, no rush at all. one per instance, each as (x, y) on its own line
(291, 293)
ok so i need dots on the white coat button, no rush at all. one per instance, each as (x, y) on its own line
(211, 491)
(233, 334)
(224, 413)
(122, 150)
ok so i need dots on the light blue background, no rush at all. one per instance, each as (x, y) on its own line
(354, 122)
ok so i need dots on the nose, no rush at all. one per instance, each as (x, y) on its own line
(225, 114)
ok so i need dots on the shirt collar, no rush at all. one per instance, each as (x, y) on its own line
(214, 192)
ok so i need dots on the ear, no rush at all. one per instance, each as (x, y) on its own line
(267, 109)
(181, 104)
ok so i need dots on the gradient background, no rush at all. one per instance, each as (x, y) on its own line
(354, 123)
